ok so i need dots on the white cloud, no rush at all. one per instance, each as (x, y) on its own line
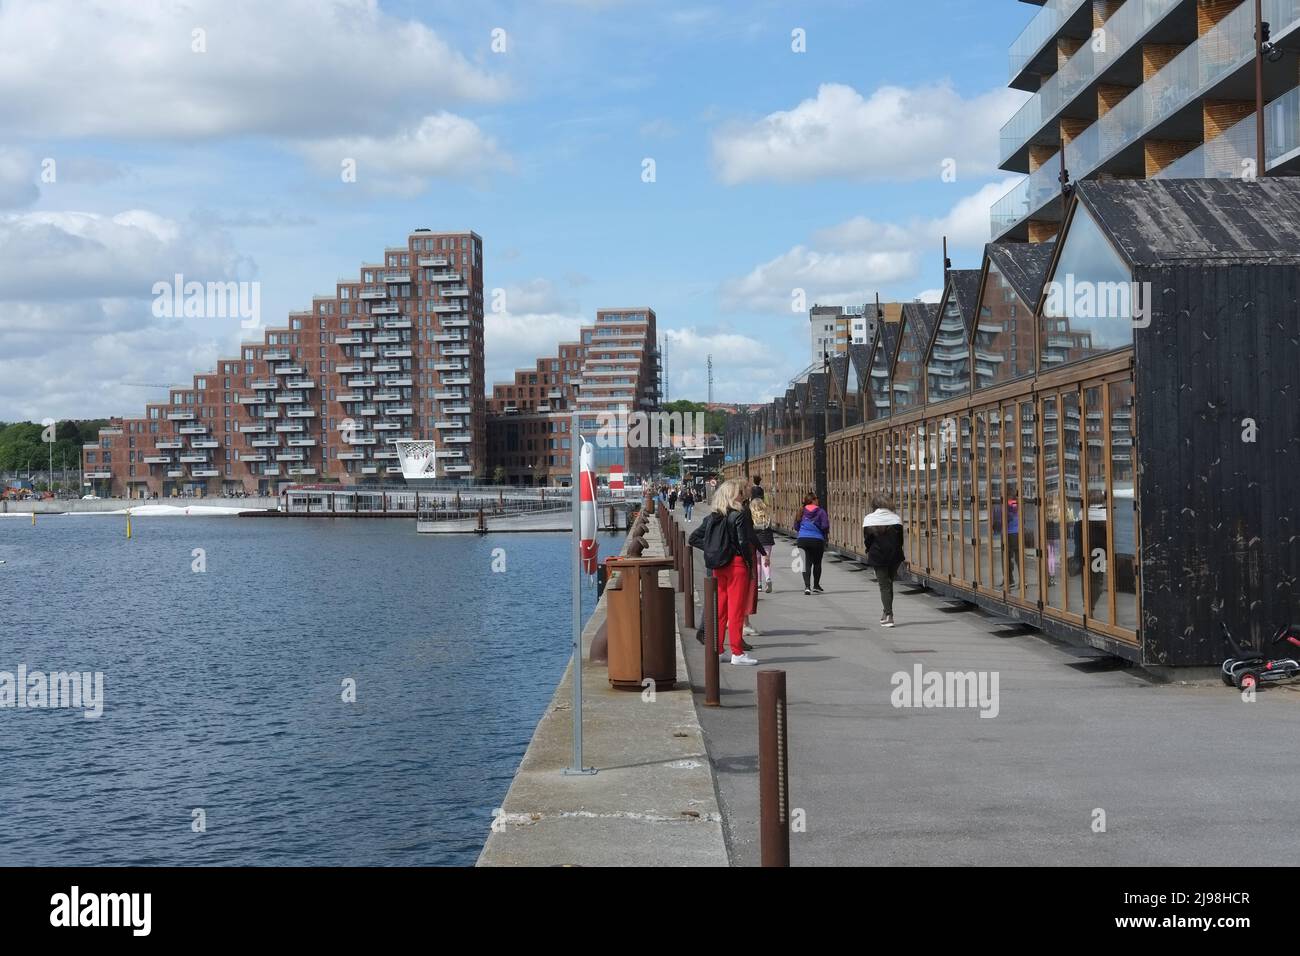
(850, 261)
(296, 69)
(745, 368)
(17, 179)
(440, 145)
(896, 133)
(929, 295)
(536, 319)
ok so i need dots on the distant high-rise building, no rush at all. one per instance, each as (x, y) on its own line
(1143, 89)
(396, 353)
(836, 327)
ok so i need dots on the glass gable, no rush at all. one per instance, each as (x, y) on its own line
(1088, 305)
(1004, 333)
(912, 344)
(947, 371)
(878, 406)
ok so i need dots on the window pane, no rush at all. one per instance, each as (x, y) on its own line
(1071, 446)
(1124, 559)
(948, 369)
(1028, 502)
(1089, 304)
(1098, 517)
(1004, 344)
(1052, 503)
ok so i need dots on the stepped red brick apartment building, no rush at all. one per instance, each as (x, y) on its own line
(612, 371)
(395, 353)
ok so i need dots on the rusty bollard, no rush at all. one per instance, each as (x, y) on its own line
(773, 770)
(711, 675)
(688, 594)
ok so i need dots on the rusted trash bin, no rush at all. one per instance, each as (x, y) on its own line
(640, 623)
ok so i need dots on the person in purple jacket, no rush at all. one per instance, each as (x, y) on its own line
(812, 528)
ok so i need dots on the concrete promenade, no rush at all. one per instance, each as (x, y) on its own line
(652, 802)
(1186, 773)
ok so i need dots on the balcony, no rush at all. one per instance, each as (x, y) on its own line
(457, 409)
(205, 473)
(369, 469)
(269, 470)
(448, 424)
(255, 457)
(171, 473)
(458, 439)
(351, 455)
(157, 459)
(385, 338)
(448, 394)
(398, 381)
(253, 400)
(457, 469)
(388, 426)
(456, 380)
(352, 397)
(386, 367)
(1041, 30)
(397, 323)
(431, 262)
(403, 352)
(193, 459)
(180, 416)
(449, 367)
(459, 292)
(449, 337)
(302, 413)
(350, 340)
(288, 370)
(388, 308)
(359, 324)
(291, 456)
(288, 399)
(350, 369)
(272, 442)
(302, 442)
(399, 275)
(455, 323)
(449, 454)
(393, 470)
(276, 355)
(367, 411)
(451, 351)
(264, 383)
(371, 295)
(205, 443)
(193, 429)
(169, 444)
(364, 440)
(366, 353)
(385, 455)
(445, 277)
(447, 307)
(367, 382)
(388, 396)
(305, 470)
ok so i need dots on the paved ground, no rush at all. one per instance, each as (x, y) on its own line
(1185, 773)
(653, 801)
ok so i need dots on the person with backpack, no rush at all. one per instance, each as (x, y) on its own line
(688, 502)
(756, 492)
(812, 529)
(762, 519)
(726, 536)
(672, 500)
(882, 538)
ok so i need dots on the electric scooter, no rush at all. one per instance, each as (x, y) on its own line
(1248, 668)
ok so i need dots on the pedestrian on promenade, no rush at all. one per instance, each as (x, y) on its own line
(762, 519)
(812, 529)
(672, 500)
(882, 538)
(726, 537)
(756, 492)
(688, 502)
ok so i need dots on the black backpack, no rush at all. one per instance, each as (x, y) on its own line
(718, 548)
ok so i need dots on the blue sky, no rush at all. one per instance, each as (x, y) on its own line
(774, 170)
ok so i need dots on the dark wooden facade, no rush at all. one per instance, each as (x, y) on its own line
(1122, 481)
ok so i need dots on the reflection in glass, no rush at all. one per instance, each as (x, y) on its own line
(911, 361)
(1029, 505)
(1052, 532)
(995, 503)
(1004, 333)
(1089, 303)
(878, 406)
(948, 368)
(1098, 515)
(983, 513)
(967, 493)
(1124, 557)
(1010, 502)
(1071, 443)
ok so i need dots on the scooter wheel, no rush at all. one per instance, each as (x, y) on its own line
(1247, 680)
(1227, 678)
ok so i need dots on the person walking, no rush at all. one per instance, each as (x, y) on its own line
(672, 500)
(688, 502)
(812, 528)
(882, 538)
(726, 537)
(756, 492)
(762, 519)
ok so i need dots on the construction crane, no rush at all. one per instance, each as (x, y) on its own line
(710, 380)
(149, 385)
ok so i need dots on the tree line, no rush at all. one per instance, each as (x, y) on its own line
(21, 447)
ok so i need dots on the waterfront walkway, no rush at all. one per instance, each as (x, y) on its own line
(1185, 773)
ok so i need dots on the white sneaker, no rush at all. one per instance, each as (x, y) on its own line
(749, 631)
(743, 659)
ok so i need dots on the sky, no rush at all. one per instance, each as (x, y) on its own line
(721, 163)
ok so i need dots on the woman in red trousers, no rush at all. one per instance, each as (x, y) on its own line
(736, 578)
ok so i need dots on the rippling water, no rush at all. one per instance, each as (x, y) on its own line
(224, 689)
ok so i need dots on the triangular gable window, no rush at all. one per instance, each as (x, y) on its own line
(1090, 301)
(878, 387)
(947, 369)
(1004, 333)
(907, 385)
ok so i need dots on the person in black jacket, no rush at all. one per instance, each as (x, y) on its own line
(882, 537)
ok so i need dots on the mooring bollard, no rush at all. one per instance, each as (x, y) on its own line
(773, 770)
(688, 607)
(711, 676)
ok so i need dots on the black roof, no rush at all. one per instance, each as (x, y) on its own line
(1156, 222)
(818, 391)
(839, 366)
(860, 354)
(964, 285)
(887, 336)
(1023, 265)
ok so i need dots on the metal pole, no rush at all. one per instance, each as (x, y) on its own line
(1260, 158)
(575, 456)
(688, 607)
(711, 694)
(773, 771)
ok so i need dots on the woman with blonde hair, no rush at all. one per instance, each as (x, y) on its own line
(726, 536)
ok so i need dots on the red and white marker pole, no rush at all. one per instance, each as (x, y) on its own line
(588, 547)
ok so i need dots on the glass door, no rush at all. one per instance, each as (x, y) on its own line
(1053, 589)
(996, 559)
(1030, 506)
(969, 536)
